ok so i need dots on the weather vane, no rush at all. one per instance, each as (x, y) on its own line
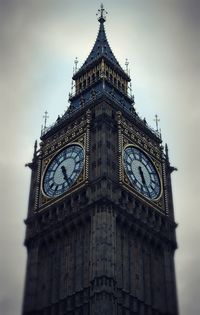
(45, 116)
(102, 14)
(157, 121)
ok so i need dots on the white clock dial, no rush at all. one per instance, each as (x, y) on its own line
(63, 170)
(141, 172)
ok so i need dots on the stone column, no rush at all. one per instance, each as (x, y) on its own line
(103, 240)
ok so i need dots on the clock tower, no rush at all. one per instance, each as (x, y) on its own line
(100, 229)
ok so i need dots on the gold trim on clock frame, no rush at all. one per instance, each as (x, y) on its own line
(81, 180)
(134, 134)
(63, 137)
(123, 178)
(157, 166)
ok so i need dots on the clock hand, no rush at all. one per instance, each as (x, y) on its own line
(142, 175)
(143, 180)
(64, 171)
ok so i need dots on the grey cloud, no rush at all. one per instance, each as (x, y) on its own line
(161, 39)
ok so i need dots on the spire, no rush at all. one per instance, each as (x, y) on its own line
(101, 49)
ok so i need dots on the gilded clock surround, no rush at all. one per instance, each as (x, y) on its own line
(49, 163)
(77, 131)
(81, 180)
(153, 162)
(129, 134)
(67, 134)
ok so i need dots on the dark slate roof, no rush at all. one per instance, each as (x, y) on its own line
(101, 49)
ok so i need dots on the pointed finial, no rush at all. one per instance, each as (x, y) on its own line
(102, 14)
(76, 64)
(31, 164)
(171, 168)
(45, 116)
(35, 148)
(166, 151)
(160, 133)
(72, 87)
(157, 121)
(126, 64)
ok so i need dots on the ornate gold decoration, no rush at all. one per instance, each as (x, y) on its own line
(81, 140)
(129, 134)
(61, 138)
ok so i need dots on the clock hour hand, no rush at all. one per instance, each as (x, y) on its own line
(143, 180)
(64, 171)
(142, 175)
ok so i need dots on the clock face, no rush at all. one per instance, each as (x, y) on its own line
(63, 170)
(141, 172)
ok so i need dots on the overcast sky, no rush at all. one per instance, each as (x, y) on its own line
(39, 40)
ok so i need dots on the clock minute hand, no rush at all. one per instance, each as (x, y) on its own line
(143, 180)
